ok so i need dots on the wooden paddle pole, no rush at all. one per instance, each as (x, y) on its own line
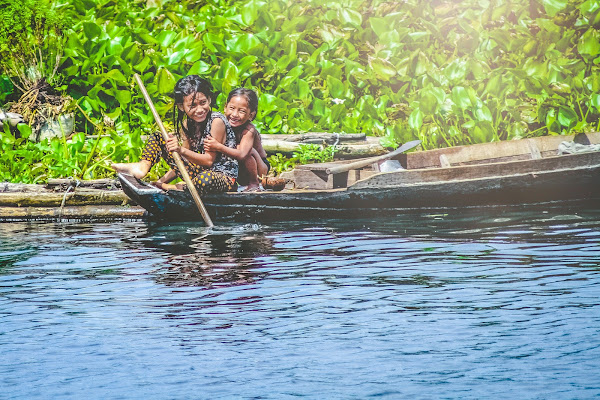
(371, 160)
(184, 174)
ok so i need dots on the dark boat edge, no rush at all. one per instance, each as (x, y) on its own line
(336, 203)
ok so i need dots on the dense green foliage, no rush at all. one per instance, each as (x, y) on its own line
(31, 35)
(445, 72)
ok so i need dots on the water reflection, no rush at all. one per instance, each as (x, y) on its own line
(197, 256)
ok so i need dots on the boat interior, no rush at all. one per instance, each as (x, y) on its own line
(317, 176)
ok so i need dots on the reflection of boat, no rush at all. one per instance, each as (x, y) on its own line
(500, 173)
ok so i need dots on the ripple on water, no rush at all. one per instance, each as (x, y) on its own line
(454, 305)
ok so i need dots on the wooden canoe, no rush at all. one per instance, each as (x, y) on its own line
(502, 173)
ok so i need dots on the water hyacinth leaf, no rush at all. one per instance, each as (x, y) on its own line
(479, 135)
(552, 7)
(249, 12)
(439, 94)
(595, 100)
(428, 103)
(420, 64)
(567, 117)
(319, 108)
(116, 113)
(303, 90)
(199, 68)
(176, 57)
(92, 31)
(383, 69)
(336, 87)
(165, 38)
(78, 141)
(349, 16)
(123, 96)
(195, 53)
(165, 81)
(379, 26)
(230, 76)
(415, 120)
(589, 43)
(461, 97)
(115, 75)
(483, 114)
(24, 130)
(456, 70)
(331, 35)
(418, 36)
(267, 103)
(337, 112)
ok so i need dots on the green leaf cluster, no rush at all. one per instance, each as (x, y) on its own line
(445, 72)
(306, 154)
(31, 37)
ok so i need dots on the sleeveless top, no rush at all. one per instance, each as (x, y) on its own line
(223, 163)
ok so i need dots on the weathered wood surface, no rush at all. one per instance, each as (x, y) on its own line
(510, 150)
(44, 198)
(88, 212)
(346, 149)
(54, 202)
(318, 137)
(65, 183)
(490, 172)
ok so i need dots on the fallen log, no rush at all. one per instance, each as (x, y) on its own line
(346, 150)
(88, 212)
(64, 183)
(318, 137)
(47, 198)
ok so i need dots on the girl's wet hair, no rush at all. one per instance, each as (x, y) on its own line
(191, 84)
(250, 96)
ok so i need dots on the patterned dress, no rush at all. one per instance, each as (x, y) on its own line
(218, 178)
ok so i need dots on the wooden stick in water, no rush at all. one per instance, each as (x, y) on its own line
(176, 156)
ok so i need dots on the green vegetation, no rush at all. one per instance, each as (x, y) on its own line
(306, 154)
(31, 36)
(445, 72)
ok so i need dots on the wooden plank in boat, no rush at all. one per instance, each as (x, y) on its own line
(510, 150)
(490, 171)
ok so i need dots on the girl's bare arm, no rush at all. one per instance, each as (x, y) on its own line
(239, 153)
(217, 131)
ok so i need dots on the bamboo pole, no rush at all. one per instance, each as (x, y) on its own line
(176, 156)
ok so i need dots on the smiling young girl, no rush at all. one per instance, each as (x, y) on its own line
(240, 110)
(194, 122)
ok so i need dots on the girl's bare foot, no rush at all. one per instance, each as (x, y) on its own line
(254, 188)
(138, 169)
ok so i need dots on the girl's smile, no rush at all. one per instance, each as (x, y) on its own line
(238, 112)
(196, 106)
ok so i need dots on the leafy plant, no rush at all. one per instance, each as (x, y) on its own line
(306, 154)
(31, 35)
(448, 73)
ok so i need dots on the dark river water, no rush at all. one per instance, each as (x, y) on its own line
(479, 303)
